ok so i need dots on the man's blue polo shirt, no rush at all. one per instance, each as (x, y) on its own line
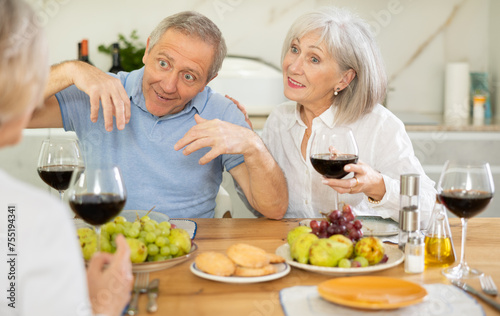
(154, 173)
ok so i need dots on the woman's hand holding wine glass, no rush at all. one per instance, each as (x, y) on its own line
(465, 189)
(331, 151)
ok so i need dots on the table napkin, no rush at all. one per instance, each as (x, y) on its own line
(442, 300)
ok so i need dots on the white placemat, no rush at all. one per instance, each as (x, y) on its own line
(442, 300)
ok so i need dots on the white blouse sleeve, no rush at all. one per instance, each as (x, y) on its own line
(393, 156)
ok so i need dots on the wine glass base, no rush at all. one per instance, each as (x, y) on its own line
(461, 271)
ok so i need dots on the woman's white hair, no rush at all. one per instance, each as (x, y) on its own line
(194, 23)
(352, 45)
(24, 66)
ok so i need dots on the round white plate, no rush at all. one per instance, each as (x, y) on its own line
(281, 268)
(395, 255)
(372, 226)
(377, 226)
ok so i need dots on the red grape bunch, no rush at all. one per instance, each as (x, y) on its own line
(338, 222)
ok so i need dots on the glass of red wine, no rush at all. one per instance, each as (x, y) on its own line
(465, 189)
(57, 160)
(97, 194)
(331, 150)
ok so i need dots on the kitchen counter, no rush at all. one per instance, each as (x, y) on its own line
(452, 128)
(440, 126)
(433, 123)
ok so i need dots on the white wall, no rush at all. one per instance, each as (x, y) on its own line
(417, 37)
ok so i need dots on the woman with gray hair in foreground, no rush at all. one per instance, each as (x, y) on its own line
(42, 269)
(334, 75)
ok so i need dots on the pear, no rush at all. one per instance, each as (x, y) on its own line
(327, 253)
(344, 240)
(300, 247)
(370, 248)
(296, 232)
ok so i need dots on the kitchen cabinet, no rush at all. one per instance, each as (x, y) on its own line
(434, 146)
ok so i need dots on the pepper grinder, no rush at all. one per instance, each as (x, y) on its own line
(409, 215)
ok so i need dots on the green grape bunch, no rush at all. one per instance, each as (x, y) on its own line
(148, 240)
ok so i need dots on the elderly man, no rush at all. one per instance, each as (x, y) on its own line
(160, 109)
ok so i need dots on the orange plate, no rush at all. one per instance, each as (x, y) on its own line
(372, 292)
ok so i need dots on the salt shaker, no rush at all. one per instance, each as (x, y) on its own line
(409, 215)
(414, 253)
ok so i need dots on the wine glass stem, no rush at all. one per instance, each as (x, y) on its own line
(336, 200)
(61, 194)
(98, 234)
(464, 237)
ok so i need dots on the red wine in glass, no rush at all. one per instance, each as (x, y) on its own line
(465, 189)
(97, 194)
(465, 203)
(331, 150)
(58, 158)
(97, 209)
(57, 177)
(332, 166)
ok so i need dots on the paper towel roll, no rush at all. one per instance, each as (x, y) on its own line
(456, 97)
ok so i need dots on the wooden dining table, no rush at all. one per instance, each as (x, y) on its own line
(183, 293)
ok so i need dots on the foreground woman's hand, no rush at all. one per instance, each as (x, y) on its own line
(110, 287)
(365, 180)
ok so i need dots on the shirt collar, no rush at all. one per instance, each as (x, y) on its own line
(133, 86)
(326, 117)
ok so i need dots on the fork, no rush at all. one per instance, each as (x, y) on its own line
(471, 290)
(140, 286)
(488, 285)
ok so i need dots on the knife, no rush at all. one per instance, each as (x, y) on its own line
(152, 295)
(471, 290)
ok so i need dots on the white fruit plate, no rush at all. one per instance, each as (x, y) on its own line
(395, 256)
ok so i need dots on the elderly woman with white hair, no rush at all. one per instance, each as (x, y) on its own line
(334, 75)
(41, 262)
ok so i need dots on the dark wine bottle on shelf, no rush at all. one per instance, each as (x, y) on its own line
(117, 63)
(85, 52)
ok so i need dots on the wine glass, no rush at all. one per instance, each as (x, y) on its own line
(465, 189)
(331, 150)
(97, 194)
(57, 160)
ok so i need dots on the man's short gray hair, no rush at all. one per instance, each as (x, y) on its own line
(194, 23)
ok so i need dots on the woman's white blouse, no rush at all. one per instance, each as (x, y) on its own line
(383, 144)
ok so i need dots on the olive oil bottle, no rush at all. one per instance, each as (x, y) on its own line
(439, 249)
